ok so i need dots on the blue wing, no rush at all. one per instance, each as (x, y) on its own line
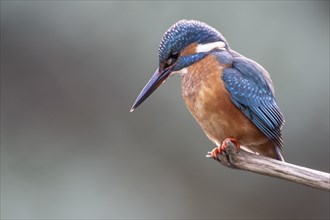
(252, 92)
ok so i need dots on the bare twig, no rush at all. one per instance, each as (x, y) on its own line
(244, 160)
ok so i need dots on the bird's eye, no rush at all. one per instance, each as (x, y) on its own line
(173, 57)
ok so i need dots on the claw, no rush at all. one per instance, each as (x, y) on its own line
(220, 149)
(208, 154)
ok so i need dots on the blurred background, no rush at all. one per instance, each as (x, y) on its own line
(70, 148)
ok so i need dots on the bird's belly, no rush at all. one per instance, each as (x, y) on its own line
(209, 102)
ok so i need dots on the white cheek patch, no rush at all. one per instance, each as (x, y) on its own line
(210, 46)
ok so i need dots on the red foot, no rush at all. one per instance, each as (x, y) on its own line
(222, 148)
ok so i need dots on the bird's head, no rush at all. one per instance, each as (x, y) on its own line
(183, 44)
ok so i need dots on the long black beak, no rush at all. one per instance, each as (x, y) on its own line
(155, 81)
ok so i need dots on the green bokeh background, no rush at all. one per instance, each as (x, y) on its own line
(70, 72)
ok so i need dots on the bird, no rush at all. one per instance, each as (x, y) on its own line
(231, 96)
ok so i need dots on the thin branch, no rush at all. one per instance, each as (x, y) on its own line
(244, 160)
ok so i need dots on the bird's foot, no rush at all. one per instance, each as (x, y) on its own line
(221, 149)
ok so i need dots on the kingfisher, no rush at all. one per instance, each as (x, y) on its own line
(231, 96)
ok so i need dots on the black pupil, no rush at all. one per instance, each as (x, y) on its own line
(173, 57)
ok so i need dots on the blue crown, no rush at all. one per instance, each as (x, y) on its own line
(185, 32)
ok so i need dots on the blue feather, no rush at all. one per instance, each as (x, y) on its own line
(252, 92)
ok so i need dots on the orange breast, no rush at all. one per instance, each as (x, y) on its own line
(209, 102)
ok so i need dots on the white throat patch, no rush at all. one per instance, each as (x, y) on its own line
(210, 46)
(180, 72)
